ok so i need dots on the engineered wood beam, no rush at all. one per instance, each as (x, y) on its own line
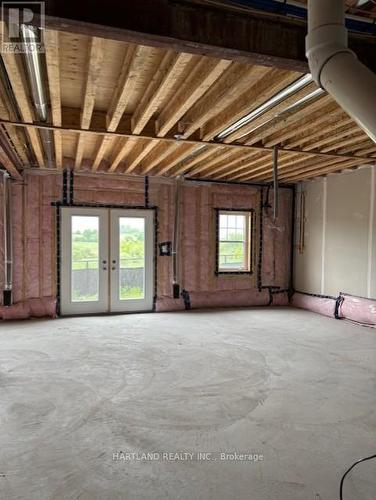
(111, 135)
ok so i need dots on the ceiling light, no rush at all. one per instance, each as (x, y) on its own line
(273, 101)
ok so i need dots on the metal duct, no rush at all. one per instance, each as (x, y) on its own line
(8, 250)
(34, 71)
(335, 67)
(175, 240)
(275, 183)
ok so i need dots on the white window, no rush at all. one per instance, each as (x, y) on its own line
(234, 248)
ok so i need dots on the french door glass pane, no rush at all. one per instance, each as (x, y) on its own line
(132, 258)
(85, 258)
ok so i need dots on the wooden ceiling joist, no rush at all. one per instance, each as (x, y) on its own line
(8, 165)
(324, 136)
(53, 74)
(172, 67)
(203, 76)
(262, 90)
(289, 119)
(159, 153)
(268, 115)
(234, 82)
(305, 127)
(132, 64)
(144, 109)
(174, 159)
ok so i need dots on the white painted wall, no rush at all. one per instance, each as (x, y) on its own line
(340, 235)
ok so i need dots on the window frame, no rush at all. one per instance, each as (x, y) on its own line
(250, 213)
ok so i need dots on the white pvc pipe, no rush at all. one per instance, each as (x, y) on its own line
(335, 67)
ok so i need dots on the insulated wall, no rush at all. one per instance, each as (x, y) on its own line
(35, 238)
(339, 253)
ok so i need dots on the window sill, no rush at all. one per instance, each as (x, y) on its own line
(232, 273)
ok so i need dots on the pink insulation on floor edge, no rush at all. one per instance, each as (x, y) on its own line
(358, 309)
(320, 305)
(229, 298)
(280, 299)
(166, 304)
(221, 298)
(32, 308)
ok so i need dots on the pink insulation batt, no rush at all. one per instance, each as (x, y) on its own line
(358, 309)
(35, 241)
(325, 306)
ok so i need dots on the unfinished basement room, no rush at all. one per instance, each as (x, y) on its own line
(188, 250)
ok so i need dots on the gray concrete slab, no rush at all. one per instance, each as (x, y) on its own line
(287, 384)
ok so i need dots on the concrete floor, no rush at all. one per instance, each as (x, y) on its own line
(287, 384)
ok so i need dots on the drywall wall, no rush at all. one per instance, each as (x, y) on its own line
(339, 252)
(308, 277)
(35, 237)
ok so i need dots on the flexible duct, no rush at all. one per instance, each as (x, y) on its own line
(335, 67)
(8, 250)
(34, 71)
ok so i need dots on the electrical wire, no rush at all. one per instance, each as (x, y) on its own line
(350, 469)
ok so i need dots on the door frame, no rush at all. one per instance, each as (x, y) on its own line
(59, 231)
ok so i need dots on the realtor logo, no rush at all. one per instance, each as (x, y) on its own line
(23, 26)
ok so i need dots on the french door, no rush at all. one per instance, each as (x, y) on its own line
(107, 260)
